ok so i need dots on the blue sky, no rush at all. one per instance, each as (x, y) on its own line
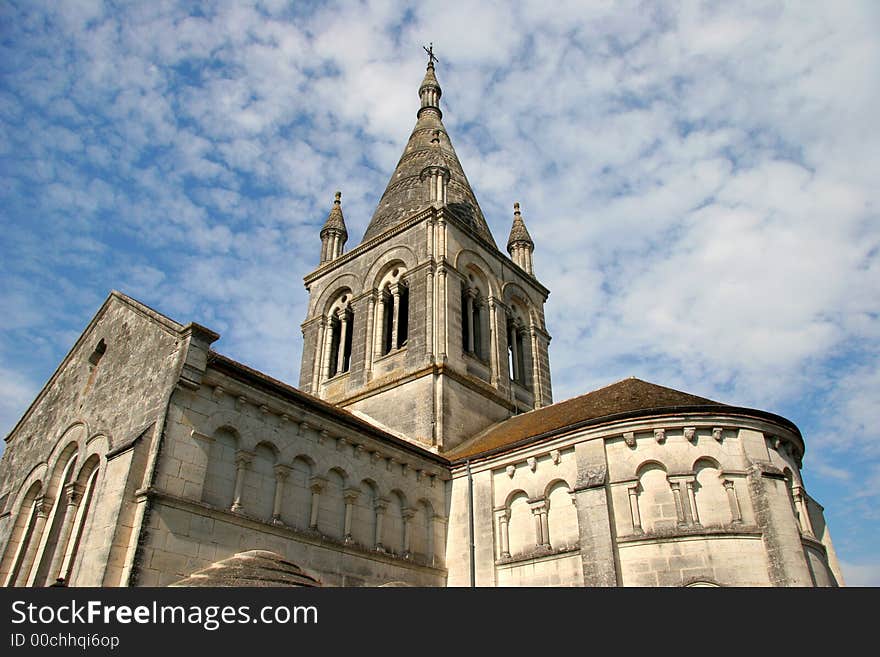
(700, 180)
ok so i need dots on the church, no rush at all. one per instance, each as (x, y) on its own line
(421, 447)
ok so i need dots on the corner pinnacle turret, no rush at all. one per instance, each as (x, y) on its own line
(333, 234)
(520, 245)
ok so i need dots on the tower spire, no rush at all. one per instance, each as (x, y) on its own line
(520, 245)
(333, 234)
(407, 193)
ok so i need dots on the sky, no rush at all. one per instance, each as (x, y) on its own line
(700, 180)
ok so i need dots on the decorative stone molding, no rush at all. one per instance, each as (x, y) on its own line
(533, 463)
(241, 402)
(341, 443)
(359, 451)
(592, 477)
(303, 427)
(718, 433)
(317, 484)
(219, 392)
(510, 470)
(690, 434)
(376, 456)
(629, 438)
(284, 417)
(323, 436)
(660, 435)
(265, 410)
(201, 436)
(555, 456)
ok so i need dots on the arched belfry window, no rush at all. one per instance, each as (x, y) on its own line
(338, 340)
(516, 349)
(473, 318)
(392, 318)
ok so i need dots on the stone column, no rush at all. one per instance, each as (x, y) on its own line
(590, 498)
(72, 497)
(319, 350)
(343, 330)
(441, 313)
(735, 513)
(42, 505)
(328, 347)
(634, 508)
(281, 473)
(692, 501)
(803, 513)
(429, 314)
(242, 460)
(539, 511)
(407, 516)
(514, 355)
(536, 372)
(379, 340)
(350, 496)
(395, 323)
(381, 505)
(675, 485)
(468, 316)
(493, 341)
(371, 310)
(545, 526)
(316, 485)
(504, 533)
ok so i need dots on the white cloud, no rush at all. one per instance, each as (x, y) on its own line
(700, 180)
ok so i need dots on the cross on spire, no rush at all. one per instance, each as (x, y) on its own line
(430, 51)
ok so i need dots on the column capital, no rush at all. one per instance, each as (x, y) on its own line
(381, 504)
(243, 457)
(408, 513)
(43, 504)
(72, 492)
(351, 494)
(538, 505)
(317, 483)
(282, 471)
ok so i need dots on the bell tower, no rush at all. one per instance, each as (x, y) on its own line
(426, 326)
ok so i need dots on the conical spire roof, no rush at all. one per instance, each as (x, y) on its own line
(406, 194)
(518, 232)
(335, 220)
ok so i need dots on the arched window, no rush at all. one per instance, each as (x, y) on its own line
(392, 316)
(72, 557)
(339, 337)
(472, 319)
(516, 352)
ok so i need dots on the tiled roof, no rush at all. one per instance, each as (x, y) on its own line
(627, 396)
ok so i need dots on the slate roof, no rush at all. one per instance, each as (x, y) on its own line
(627, 396)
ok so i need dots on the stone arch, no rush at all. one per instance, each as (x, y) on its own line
(393, 529)
(422, 539)
(60, 491)
(297, 502)
(345, 281)
(331, 514)
(391, 314)
(73, 436)
(21, 536)
(69, 556)
(401, 254)
(521, 524)
(713, 507)
(468, 261)
(258, 493)
(364, 520)
(219, 485)
(657, 507)
(562, 521)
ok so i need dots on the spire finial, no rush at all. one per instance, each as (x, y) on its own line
(338, 199)
(431, 57)
(516, 207)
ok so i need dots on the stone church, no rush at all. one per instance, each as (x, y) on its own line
(422, 446)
